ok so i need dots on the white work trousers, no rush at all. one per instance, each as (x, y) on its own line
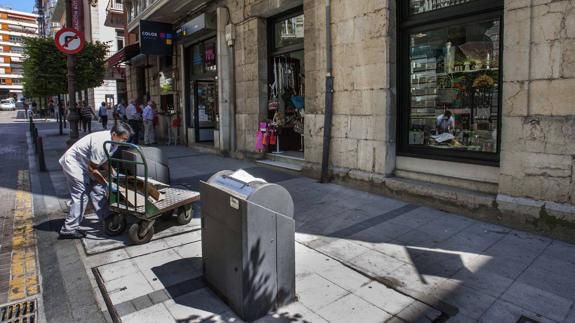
(81, 191)
(149, 135)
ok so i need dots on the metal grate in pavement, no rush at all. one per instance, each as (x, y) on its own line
(19, 312)
(524, 319)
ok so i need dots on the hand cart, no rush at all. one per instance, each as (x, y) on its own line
(140, 197)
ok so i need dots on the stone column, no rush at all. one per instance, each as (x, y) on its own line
(225, 77)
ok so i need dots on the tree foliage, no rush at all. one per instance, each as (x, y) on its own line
(45, 67)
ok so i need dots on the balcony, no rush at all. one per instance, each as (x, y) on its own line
(115, 17)
(115, 6)
(23, 29)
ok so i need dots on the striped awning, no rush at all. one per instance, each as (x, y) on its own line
(124, 54)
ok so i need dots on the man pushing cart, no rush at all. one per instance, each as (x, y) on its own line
(122, 194)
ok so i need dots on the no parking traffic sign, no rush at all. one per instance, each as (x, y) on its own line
(69, 41)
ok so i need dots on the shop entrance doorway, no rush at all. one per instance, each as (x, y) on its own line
(205, 110)
(286, 108)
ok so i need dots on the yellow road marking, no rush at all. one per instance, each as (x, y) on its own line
(23, 270)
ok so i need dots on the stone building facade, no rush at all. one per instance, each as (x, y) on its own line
(525, 179)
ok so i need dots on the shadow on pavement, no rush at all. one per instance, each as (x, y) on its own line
(50, 225)
(259, 291)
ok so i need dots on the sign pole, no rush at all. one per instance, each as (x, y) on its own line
(73, 113)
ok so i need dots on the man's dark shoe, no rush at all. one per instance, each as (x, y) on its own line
(71, 235)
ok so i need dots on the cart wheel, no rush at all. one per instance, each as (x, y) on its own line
(185, 214)
(114, 225)
(136, 237)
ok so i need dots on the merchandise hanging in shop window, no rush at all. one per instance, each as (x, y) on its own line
(286, 103)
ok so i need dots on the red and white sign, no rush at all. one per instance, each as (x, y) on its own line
(69, 41)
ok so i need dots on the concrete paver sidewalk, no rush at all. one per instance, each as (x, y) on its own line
(360, 257)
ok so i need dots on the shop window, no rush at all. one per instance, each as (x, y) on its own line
(202, 89)
(166, 75)
(421, 6)
(450, 80)
(204, 57)
(286, 83)
(120, 43)
(289, 31)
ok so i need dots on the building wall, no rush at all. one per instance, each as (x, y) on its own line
(364, 121)
(102, 33)
(538, 142)
(251, 82)
(12, 55)
(536, 174)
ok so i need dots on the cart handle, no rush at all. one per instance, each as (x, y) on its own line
(135, 163)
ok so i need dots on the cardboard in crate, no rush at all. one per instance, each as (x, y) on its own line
(132, 189)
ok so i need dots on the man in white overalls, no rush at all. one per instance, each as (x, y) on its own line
(81, 164)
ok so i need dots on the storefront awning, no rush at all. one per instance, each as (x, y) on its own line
(124, 54)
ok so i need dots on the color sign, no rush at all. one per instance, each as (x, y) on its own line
(156, 38)
(69, 41)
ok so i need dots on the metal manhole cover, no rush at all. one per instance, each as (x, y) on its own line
(20, 312)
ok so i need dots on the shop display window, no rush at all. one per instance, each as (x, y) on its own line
(204, 59)
(286, 103)
(451, 82)
(289, 31)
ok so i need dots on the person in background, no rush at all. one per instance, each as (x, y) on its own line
(122, 111)
(30, 111)
(445, 123)
(103, 114)
(134, 121)
(51, 109)
(87, 113)
(148, 116)
(140, 109)
(115, 113)
(81, 164)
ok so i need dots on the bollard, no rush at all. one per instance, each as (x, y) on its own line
(31, 124)
(60, 121)
(41, 160)
(35, 138)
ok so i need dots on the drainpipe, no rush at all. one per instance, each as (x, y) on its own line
(233, 104)
(328, 96)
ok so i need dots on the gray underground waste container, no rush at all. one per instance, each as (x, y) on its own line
(248, 245)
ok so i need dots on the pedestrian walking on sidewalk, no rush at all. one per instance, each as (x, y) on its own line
(87, 114)
(134, 118)
(81, 164)
(148, 116)
(51, 108)
(103, 114)
(30, 111)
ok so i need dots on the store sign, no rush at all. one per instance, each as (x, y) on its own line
(156, 38)
(196, 25)
(77, 15)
